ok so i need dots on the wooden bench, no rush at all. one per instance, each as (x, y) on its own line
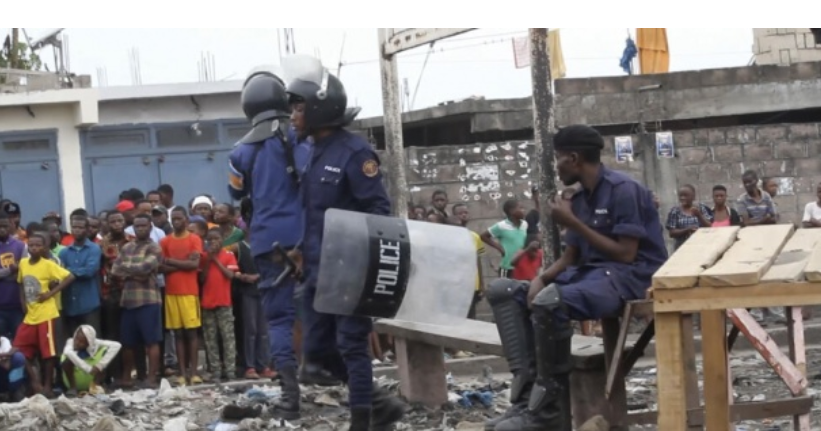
(420, 359)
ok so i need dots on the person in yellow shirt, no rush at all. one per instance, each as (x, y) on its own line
(36, 336)
(460, 219)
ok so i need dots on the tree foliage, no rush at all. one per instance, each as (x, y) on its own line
(26, 59)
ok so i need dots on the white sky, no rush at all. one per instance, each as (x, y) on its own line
(476, 63)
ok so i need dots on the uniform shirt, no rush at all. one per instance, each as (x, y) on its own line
(618, 206)
(511, 237)
(343, 173)
(12, 251)
(277, 215)
(138, 263)
(755, 210)
(217, 289)
(83, 294)
(35, 279)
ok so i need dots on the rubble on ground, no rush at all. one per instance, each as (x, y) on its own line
(472, 400)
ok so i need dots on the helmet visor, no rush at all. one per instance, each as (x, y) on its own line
(306, 69)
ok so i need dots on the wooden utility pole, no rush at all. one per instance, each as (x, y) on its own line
(543, 126)
(391, 43)
(392, 125)
(13, 53)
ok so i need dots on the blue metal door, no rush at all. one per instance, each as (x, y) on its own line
(195, 174)
(33, 185)
(111, 175)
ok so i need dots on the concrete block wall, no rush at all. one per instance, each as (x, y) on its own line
(789, 152)
(784, 46)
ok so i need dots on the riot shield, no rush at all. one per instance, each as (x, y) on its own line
(387, 267)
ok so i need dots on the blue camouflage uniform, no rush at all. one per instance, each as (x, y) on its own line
(277, 217)
(343, 173)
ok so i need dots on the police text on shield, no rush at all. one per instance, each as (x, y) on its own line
(388, 277)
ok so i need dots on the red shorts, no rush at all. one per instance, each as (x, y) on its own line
(40, 339)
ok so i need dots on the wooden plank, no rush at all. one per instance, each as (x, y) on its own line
(798, 355)
(723, 298)
(672, 404)
(749, 258)
(790, 263)
(716, 376)
(700, 252)
(812, 271)
(739, 412)
(482, 337)
(795, 380)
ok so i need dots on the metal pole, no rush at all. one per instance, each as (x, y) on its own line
(542, 134)
(392, 123)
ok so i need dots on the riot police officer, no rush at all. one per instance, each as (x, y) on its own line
(264, 173)
(614, 246)
(343, 172)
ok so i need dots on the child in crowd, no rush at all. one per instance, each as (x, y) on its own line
(12, 372)
(528, 261)
(219, 268)
(182, 252)
(85, 359)
(508, 236)
(255, 325)
(198, 227)
(37, 335)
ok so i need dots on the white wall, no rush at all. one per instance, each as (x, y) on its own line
(170, 109)
(64, 110)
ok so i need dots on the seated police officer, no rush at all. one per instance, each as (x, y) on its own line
(614, 246)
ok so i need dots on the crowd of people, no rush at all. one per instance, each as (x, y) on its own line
(147, 278)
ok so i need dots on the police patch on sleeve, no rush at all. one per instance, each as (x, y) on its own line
(370, 168)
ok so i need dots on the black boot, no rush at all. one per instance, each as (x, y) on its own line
(312, 374)
(287, 407)
(549, 405)
(516, 333)
(360, 419)
(387, 410)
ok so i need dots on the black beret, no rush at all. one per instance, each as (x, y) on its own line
(578, 137)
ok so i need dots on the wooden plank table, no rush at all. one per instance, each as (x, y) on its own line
(720, 273)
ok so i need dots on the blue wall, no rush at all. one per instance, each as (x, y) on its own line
(30, 172)
(116, 158)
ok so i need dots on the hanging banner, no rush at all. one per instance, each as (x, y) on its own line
(624, 149)
(665, 149)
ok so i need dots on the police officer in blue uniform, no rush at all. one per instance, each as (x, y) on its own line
(343, 172)
(614, 246)
(264, 173)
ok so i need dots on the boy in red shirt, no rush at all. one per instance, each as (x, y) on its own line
(219, 267)
(528, 261)
(181, 260)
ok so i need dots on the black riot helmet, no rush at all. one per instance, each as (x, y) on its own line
(264, 98)
(324, 96)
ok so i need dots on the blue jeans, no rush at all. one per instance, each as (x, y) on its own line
(14, 377)
(9, 321)
(279, 309)
(339, 344)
